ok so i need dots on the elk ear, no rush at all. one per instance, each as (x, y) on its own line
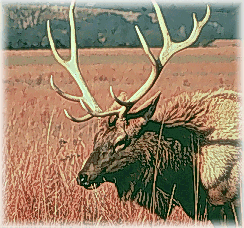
(147, 109)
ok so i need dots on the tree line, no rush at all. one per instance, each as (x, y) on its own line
(25, 26)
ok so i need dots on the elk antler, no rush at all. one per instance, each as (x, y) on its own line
(87, 100)
(168, 50)
(73, 68)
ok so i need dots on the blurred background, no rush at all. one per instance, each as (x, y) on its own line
(102, 24)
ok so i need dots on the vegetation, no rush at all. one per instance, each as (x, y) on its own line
(25, 25)
(44, 151)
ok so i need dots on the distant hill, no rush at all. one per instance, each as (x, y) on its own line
(97, 26)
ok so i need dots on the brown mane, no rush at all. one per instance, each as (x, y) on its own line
(196, 110)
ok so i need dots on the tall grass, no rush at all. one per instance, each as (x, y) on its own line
(44, 151)
(40, 174)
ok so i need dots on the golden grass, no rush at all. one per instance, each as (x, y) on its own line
(40, 185)
(44, 151)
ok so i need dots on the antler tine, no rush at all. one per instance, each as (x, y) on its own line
(72, 67)
(101, 114)
(120, 102)
(170, 47)
(74, 54)
(79, 119)
(62, 93)
(166, 53)
(150, 81)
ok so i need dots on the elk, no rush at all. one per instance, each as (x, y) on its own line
(191, 142)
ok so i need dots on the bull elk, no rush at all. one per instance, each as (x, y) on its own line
(192, 142)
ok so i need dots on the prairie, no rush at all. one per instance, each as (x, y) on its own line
(44, 151)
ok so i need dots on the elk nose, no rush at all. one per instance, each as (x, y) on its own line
(82, 179)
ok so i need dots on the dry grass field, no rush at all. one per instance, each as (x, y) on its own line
(44, 151)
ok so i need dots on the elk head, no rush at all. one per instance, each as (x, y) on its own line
(115, 152)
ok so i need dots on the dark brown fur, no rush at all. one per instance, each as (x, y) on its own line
(146, 158)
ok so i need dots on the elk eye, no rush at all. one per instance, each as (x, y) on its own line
(112, 121)
(119, 145)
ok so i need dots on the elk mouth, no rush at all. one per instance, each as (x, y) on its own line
(90, 185)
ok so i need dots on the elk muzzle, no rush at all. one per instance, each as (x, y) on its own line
(84, 181)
